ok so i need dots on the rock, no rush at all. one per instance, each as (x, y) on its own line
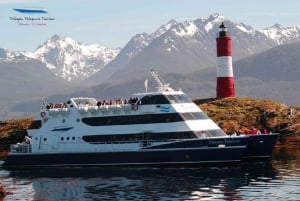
(2, 192)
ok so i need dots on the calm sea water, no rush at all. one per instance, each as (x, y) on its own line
(276, 179)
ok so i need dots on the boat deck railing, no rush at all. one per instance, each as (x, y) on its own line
(20, 148)
(142, 143)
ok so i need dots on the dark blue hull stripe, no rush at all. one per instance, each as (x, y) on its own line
(144, 157)
(61, 129)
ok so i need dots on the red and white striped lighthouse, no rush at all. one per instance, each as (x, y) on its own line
(225, 80)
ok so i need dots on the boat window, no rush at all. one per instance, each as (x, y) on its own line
(35, 124)
(210, 133)
(62, 138)
(194, 115)
(179, 98)
(143, 119)
(133, 138)
(217, 132)
(155, 99)
(172, 135)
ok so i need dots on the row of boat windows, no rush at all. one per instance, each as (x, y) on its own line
(101, 139)
(134, 119)
(143, 119)
(131, 138)
(61, 139)
(164, 99)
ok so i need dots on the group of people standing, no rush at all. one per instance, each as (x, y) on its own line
(255, 131)
(252, 131)
(118, 101)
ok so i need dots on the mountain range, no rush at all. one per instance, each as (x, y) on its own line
(183, 52)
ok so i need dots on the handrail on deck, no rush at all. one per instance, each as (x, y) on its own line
(20, 148)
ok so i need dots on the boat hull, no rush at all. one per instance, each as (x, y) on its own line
(143, 157)
(260, 146)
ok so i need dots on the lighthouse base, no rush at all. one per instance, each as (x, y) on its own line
(225, 87)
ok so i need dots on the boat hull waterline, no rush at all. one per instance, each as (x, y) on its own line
(199, 151)
(145, 157)
(260, 146)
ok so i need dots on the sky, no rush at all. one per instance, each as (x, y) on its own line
(113, 23)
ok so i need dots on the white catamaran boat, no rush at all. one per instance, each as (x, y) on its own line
(163, 127)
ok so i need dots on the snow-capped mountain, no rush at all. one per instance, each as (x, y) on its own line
(140, 41)
(65, 58)
(135, 45)
(183, 48)
(71, 60)
(12, 56)
(246, 39)
(282, 34)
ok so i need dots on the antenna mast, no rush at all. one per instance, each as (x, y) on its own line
(162, 85)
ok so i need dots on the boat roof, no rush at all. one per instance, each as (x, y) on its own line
(84, 100)
(159, 93)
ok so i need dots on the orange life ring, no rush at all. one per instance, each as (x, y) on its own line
(43, 114)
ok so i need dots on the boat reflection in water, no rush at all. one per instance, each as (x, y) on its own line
(276, 179)
(143, 183)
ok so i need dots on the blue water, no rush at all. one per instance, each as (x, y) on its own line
(276, 179)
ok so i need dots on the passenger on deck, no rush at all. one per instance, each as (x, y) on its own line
(48, 107)
(106, 102)
(258, 132)
(253, 131)
(264, 131)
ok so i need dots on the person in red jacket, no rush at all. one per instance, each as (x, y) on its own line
(264, 131)
(253, 131)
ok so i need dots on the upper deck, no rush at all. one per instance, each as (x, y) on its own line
(81, 101)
